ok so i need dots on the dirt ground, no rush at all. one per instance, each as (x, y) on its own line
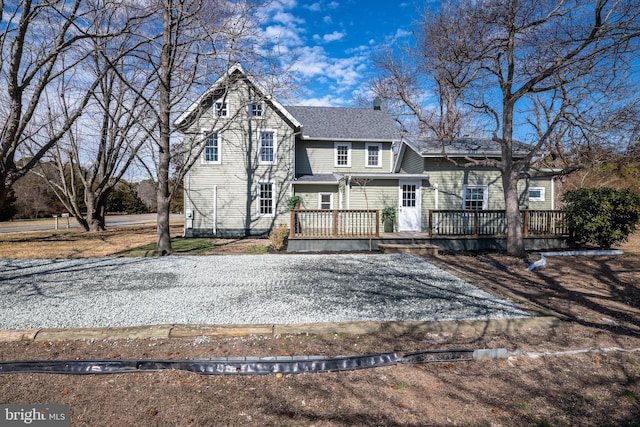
(598, 298)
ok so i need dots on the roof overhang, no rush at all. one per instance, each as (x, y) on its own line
(387, 176)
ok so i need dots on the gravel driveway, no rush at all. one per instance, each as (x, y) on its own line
(261, 289)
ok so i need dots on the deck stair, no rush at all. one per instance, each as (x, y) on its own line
(408, 248)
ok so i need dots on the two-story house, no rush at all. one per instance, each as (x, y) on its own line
(255, 153)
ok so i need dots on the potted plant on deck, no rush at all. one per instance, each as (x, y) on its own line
(294, 203)
(388, 217)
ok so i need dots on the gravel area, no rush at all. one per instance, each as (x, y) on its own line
(261, 289)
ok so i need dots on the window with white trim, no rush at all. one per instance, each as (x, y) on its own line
(211, 152)
(325, 200)
(266, 198)
(221, 109)
(342, 154)
(256, 110)
(536, 194)
(267, 148)
(475, 197)
(373, 154)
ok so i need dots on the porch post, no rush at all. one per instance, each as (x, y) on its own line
(291, 224)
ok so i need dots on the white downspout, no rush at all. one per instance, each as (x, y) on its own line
(215, 210)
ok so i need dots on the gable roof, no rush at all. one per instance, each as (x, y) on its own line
(218, 84)
(346, 124)
(478, 148)
(463, 147)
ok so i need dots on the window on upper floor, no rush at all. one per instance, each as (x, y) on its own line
(342, 154)
(373, 155)
(267, 148)
(211, 152)
(256, 110)
(475, 197)
(266, 198)
(536, 194)
(221, 109)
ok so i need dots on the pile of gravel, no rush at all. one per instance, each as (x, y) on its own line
(261, 289)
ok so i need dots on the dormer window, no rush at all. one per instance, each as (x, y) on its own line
(256, 110)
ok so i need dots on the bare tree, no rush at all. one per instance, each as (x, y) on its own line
(94, 154)
(554, 73)
(39, 44)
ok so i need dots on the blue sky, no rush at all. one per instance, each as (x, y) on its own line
(334, 41)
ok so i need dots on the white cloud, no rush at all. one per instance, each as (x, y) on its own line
(335, 36)
(333, 5)
(402, 33)
(285, 36)
(327, 20)
(326, 101)
(287, 18)
(315, 7)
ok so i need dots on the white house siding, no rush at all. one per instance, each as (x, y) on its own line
(310, 194)
(379, 194)
(238, 173)
(318, 157)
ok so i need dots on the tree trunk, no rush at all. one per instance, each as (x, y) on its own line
(164, 155)
(95, 213)
(515, 239)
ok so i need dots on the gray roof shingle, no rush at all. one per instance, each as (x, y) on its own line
(466, 146)
(342, 123)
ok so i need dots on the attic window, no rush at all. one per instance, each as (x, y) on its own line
(221, 109)
(256, 110)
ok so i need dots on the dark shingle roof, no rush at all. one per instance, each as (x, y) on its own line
(466, 146)
(319, 179)
(343, 123)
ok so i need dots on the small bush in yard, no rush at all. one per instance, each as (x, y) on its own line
(602, 216)
(278, 237)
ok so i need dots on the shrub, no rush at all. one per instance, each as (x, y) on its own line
(602, 216)
(278, 237)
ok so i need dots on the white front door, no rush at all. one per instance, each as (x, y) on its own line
(409, 211)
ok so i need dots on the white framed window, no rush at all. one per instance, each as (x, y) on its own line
(265, 197)
(267, 147)
(536, 194)
(211, 152)
(475, 197)
(221, 109)
(373, 154)
(325, 201)
(342, 154)
(256, 110)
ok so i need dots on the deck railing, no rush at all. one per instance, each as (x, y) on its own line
(334, 224)
(542, 223)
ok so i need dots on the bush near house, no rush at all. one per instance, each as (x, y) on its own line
(602, 216)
